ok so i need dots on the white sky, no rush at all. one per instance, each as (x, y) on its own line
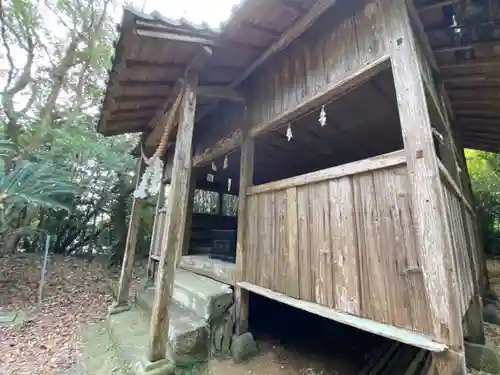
(212, 12)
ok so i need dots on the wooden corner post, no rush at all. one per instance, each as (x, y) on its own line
(175, 221)
(122, 296)
(246, 180)
(428, 207)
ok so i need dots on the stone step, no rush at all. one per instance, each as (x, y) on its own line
(188, 336)
(205, 297)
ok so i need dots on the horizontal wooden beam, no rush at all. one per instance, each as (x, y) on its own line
(361, 166)
(473, 104)
(294, 6)
(477, 145)
(174, 37)
(380, 329)
(197, 63)
(480, 121)
(220, 92)
(145, 83)
(470, 65)
(160, 113)
(489, 44)
(332, 90)
(201, 58)
(306, 21)
(480, 113)
(138, 115)
(474, 93)
(221, 147)
(435, 5)
(288, 37)
(476, 78)
(136, 98)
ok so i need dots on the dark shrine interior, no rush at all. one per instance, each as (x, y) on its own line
(362, 123)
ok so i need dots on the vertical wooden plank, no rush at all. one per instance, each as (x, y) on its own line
(475, 246)
(394, 257)
(433, 235)
(305, 266)
(414, 278)
(334, 54)
(347, 37)
(281, 242)
(176, 220)
(374, 290)
(266, 208)
(160, 201)
(252, 264)
(344, 246)
(317, 77)
(292, 273)
(300, 72)
(189, 218)
(130, 247)
(369, 32)
(246, 180)
(320, 246)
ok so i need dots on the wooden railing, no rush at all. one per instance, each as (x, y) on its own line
(343, 238)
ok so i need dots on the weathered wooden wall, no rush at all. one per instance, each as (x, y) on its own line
(465, 246)
(342, 42)
(341, 238)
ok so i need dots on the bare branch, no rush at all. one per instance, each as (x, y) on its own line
(47, 112)
(6, 44)
(32, 98)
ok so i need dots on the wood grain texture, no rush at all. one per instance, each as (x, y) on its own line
(131, 244)
(428, 208)
(349, 245)
(242, 255)
(326, 62)
(174, 233)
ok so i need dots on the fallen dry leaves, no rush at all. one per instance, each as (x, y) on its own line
(76, 293)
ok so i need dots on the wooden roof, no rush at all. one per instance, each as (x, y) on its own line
(152, 52)
(465, 39)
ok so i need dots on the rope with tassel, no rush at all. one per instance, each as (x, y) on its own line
(152, 177)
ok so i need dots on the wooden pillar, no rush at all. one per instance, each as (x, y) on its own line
(246, 180)
(175, 221)
(189, 218)
(428, 207)
(122, 297)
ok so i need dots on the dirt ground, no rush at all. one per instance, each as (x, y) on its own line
(77, 293)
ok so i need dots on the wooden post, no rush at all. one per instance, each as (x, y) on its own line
(121, 303)
(246, 180)
(189, 218)
(430, 216)
(175, 221)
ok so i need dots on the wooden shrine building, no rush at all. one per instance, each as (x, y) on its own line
(338, 127)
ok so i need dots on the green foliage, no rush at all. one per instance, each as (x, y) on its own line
(484, 169)
(37, 185)
(57, 56)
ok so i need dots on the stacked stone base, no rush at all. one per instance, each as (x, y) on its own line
(202, 325)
